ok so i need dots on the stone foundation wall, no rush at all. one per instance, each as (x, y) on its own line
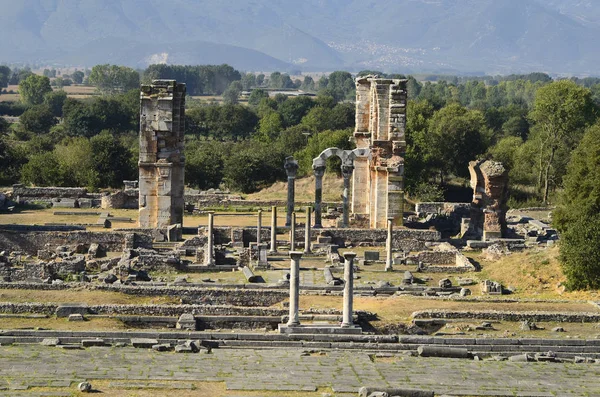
(30, 241)
(571, 317)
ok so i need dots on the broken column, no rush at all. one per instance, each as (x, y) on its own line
(489, 180)
(294, 288)
(161, 158)
(210, 246)
(307, 231)
(389, 261)
(291, 168)
(258, 226)
(319, 172)
(347, 320)
(273, 230)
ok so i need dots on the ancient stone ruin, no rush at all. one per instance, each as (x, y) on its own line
(378, 185)
(161, 161)
(489, 180)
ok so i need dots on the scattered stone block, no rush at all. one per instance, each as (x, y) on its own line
(386, 391)
(371, 255)
(186, 321)
(442, 351)
(162, 347)
(50, 342)
(110, 279)
(465, 292)
(445, 283)
(84, 387)
(76, 317)
(408, 278)
(558, 329)
(143, 343)
(65, 310)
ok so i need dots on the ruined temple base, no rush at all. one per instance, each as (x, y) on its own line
(319, 329)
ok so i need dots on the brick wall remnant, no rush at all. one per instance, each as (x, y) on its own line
(489, 180)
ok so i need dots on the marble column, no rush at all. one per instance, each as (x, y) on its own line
(319, 172)
(348, 288)
(291, 169)
(210, 255)
(346, 174)
(258, 227)
(307, 231)
(388, 245)
(294, 319)
(273, 230)
(293, 232)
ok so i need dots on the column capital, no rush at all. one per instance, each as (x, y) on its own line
(291, 167)
(319, 171)
(349, 256)
(296, 255)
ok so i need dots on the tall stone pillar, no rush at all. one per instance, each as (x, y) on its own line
(389, 245)
(258, 227)
(210, 249)
(307, 231)
(347, 320)
(161, 158)
(293, 232)
(319, 172)
(273, 229)
(294, 319)
(291, 169)
(346, 174)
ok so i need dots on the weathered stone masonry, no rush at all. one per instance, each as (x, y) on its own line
(378, 184)
(161, 164)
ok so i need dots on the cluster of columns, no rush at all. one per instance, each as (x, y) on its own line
(294, 319)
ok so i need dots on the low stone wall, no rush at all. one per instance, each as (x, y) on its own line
(537, 316)
(47, 193)
(402, 239)
(31, 240)
(442, 208)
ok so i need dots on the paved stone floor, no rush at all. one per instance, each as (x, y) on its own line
(23, 366)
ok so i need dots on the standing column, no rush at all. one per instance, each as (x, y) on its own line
(307, 231)
(293, 232)
(258, 227)
(294, 288)
(319, 172)
(348, 288)
(273, 229)
(388, 245)
(291, 168)
(347, 174)
(210, 257)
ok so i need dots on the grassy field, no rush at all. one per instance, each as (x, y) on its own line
(73, 91)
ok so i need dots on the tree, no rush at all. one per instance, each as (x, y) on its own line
(5, 74)
(33, 89)
(248, 81)
(456, 136)
(204, 163)
(42, 169)
(113, 79)
(578, 214)
(78, 76)
(269, 127)
(293, 109)
(38, 119)
(232, 93)
(562, 110)
(55, 100)
(580, 254)
(256, 96)
(111, 160)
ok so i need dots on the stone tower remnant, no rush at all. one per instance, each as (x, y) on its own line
(161, 163)
(489, 180)
(378, 180)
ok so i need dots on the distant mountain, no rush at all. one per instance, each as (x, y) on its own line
(493, 36)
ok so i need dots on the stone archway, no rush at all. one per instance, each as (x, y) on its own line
(319, 166)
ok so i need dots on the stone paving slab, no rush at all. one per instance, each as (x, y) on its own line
(290, 369)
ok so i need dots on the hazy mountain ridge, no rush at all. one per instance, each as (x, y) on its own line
(394, 35)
